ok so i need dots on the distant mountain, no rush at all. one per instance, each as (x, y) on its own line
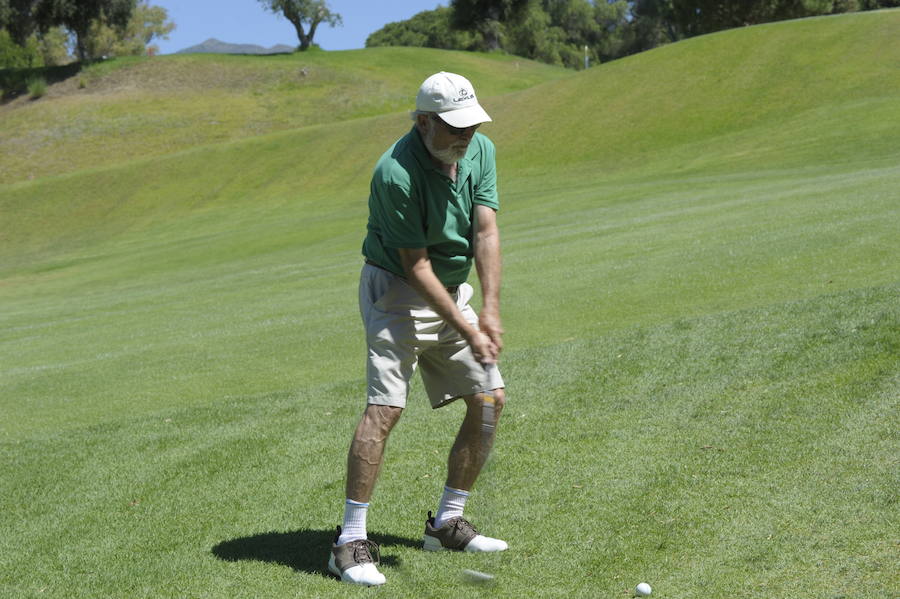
(214, 46)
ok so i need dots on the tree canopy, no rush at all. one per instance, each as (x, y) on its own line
(78, 16)
(39, 32)
(429, 29)
(305, 16)
(18, 19)
(145, 24)
(564, 32)
(487, 17)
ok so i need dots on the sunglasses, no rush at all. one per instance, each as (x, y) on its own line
(454, 130)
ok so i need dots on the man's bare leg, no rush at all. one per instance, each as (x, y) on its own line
(352, 557)
(448, 530)
(470, 450)
(367, 450)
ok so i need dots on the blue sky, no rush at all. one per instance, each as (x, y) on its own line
(247, 22)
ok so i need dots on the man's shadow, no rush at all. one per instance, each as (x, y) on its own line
(302, 550)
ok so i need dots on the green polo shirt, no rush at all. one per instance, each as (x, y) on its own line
(412, 204)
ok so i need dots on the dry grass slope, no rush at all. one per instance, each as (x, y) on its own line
(125, 109)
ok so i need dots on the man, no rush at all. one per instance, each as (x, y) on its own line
(432, 210)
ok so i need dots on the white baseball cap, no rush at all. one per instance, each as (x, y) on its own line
(453, 98)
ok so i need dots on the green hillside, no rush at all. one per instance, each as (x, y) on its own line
(139, 107)
(700, 296)
(792, 94)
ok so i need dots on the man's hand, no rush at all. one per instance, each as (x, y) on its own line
(484, 350)
(489, 323)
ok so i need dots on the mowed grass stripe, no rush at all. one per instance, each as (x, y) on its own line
(270, 305)
(758, 446)
(650, 251)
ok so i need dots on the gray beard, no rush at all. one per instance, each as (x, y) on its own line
(450, 155)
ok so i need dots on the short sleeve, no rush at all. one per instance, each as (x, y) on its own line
(486, 186)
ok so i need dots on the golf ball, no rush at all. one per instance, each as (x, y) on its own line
(642, 590)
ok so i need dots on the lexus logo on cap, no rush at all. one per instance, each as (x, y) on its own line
(464, 95)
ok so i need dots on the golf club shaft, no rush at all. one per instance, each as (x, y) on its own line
(488, 410)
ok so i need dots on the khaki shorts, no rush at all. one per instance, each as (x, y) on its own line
(403, 333)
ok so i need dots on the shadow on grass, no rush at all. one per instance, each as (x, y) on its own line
(14, 82)
(303, 550)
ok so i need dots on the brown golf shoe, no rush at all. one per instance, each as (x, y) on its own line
(457, 534)
(355, 562)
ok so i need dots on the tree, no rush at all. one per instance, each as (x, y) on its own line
(146, 24)
(16, 56)
(552, 31)
(78, 16)
(564, 32)
(613, 19)
(17, 17)
(427, 29)
(534, 36)
(487, 17)
(305, 16)
(53, 45)
(653, 24)
(697, 17)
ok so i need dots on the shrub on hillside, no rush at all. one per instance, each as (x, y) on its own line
(37, 87)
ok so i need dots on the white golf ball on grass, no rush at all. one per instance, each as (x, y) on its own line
(643, 590)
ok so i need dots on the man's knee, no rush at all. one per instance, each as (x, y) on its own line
(499, 399)
(377, 422)
(476, 401)
(372, 432)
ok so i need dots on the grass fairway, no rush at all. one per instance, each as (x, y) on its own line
(701, 298)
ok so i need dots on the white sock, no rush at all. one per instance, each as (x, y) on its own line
(452, 503)
(354, 527)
